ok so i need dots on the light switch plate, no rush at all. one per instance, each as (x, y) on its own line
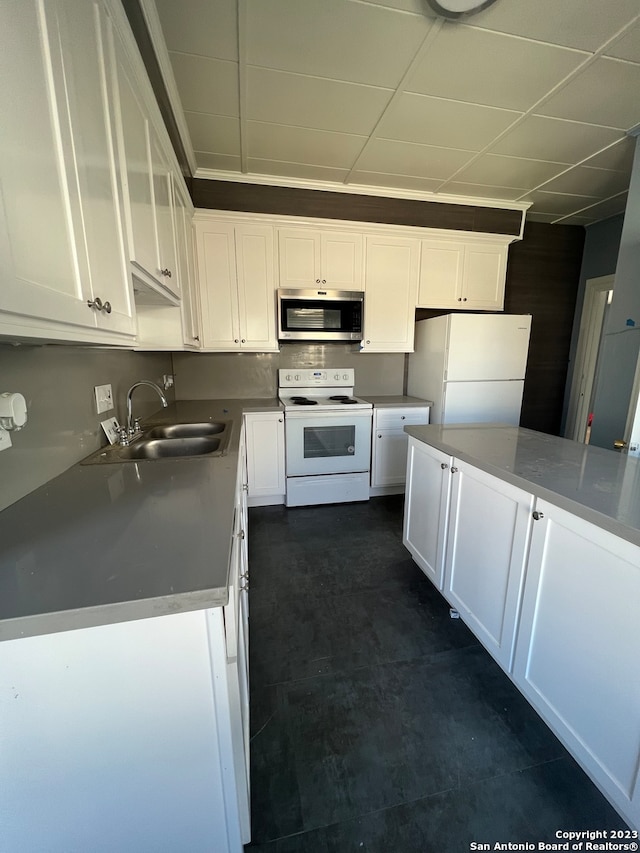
(104, 398)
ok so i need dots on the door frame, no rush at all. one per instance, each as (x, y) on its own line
(589, 338)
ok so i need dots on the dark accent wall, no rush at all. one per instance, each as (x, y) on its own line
(289, 201)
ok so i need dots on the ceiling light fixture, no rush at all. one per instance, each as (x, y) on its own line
(454, 9)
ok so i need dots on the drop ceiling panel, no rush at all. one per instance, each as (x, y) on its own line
(540, 138)
(496, 68)
(606, 93)
(216, 134)
(404, 158)
(336, 39)
(529, 96)
(607, 208)
(558, 203)
(296, 170)
(435, 121)
(282, 98)
(584, 24)
(301, 145)
(206, 85)
(594, 182)
(205, 27)
(509, 171)
(377, 179)
(627, 47)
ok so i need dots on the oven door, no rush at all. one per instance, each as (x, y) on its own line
(327, 442)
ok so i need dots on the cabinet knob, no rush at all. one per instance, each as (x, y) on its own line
(368, 342)
(95, 303)
(241, 534)
(166, 271)
(324, 281)
(317, 281)
(107, 307)
(196, 337)
(444, 466)
(379, 435)
(464, 299)
(454, 470)
(402, 417)
(459, 299)
(537, 515)
(280, 420)
(236, 341)
(243, 341)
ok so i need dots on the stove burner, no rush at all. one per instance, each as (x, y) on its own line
(297, 399)
(339, 397)
(348, 402)
(304, 401)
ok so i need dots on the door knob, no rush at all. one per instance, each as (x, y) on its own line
(620, 444)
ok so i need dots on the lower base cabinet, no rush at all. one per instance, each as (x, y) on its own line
(265, 458)
(579, 646)
(552, 597)
(121, 737)
(389, 446)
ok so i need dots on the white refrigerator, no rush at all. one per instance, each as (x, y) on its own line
(472, 366)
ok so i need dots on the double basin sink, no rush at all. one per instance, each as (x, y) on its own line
(169, 441)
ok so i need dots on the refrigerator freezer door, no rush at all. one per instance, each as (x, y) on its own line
(483, 402)
(487, 346)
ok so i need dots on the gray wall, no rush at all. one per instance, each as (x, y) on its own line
(235, 375)
(621, 339)
(63, 427)
(601, 247)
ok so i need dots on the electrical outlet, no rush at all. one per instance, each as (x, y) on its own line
(104, 398)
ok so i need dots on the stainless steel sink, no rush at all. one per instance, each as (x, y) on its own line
(165, 448)
(186, 430)
(168, 441)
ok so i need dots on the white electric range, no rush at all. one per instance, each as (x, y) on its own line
(327, 436)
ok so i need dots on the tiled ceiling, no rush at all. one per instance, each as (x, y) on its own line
(528, 101)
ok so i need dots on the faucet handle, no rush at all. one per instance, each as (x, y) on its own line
(123, 436)
(136, 425)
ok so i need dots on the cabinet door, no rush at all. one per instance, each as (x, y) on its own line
(41, 273)
(88, 68)
(487, 543)
(186, 271)
(217, 286)
(341, 260)
(389, 444)
(440, 275)
(426, 511)
(579, 644)
(256, 287)
(265, 457)
(165, 265)
(391, 282)
(299, 258)
(484, 276)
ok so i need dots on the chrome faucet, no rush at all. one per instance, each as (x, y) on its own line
(133, 425)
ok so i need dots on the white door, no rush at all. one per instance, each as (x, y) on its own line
(299, 258)
(486, 553)
(482, 402)
(484, 276)
(341, 260)
(426, 508)
(440, 274)
(217, 282)
(487, 346)
(256, 287)
(391, 286)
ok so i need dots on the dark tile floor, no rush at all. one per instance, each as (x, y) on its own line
(379, 724)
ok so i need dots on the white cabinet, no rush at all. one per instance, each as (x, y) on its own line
(236, 285)
(310, 258)
(462, 274)
(579, 644)
(391, 282)
(487, 541)
(426, 513)
(389, 446)
(265, 458)
(147, 182)
(64, 272)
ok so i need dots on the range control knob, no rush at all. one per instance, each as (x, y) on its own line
(297, 377)
(336, 376)
(344, 376)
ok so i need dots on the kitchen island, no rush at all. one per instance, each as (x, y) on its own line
(534, 541)
(123, 666)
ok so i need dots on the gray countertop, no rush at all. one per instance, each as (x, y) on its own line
(392, 401)
(110, 543)
(599, 485)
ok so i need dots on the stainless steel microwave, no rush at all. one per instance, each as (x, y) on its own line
(320, 315)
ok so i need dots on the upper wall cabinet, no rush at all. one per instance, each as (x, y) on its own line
(320, 259)
(147, 184)
(463, 274)
(237, 286)
(391, 283)
(63, 257)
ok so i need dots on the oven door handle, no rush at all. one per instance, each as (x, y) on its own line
(318, 414)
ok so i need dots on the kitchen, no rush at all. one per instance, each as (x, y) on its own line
(58, 381)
